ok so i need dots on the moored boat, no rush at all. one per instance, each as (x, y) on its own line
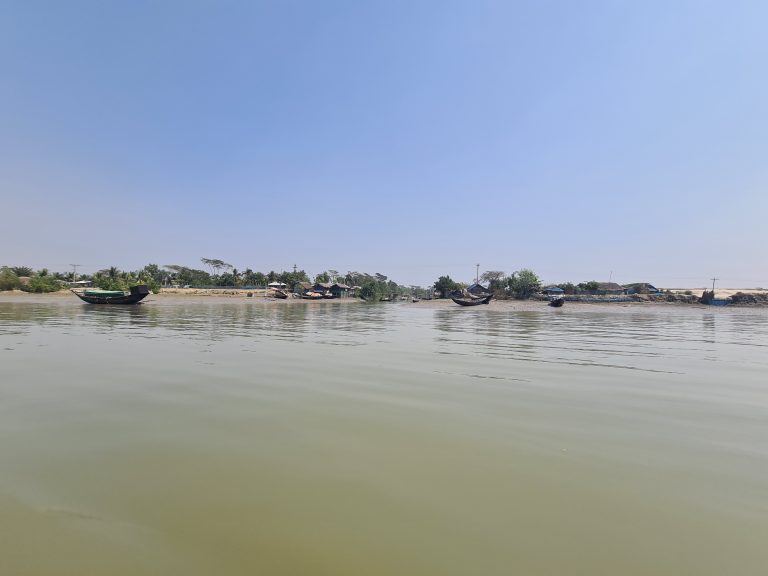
(134, 296)
(556, 302)
(310, 295)
(472, 301)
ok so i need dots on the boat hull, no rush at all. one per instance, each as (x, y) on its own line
(472, 302)
(137, 294)
(124, 300)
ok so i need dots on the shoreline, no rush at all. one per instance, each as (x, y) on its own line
(260, 297)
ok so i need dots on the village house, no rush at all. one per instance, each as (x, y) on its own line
(340, 290)
(610, 289)
(641, 288)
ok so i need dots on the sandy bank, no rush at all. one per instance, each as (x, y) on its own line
(262, 296)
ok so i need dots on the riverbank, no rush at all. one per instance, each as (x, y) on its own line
(678, 298)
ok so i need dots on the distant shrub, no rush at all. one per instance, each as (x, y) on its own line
(8, 279)
(22, 270)
(688, 293)
(109, 283)
(40, 284)
(590, 286)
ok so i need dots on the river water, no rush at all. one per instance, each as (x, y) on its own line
(199, 437)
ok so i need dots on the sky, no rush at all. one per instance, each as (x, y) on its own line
(584, 140)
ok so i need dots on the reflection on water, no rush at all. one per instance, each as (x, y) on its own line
(240, 437)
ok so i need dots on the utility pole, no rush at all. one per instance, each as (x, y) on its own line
(477, 274)
(294, 268)
(74, 271)
(713, 284)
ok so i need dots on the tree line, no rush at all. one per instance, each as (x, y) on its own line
(521, 284)
(35, 281)
(219, 273)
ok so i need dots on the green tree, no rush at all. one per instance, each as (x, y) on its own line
(226, 279)
(22, 270)
(590, 286)
(42, 283)
(247, 277)
(323, 277)
(494, 279)
(8, 279)
(292, 279)
(445, 285)
(333, 275)
(567, 287)
(259, 279)
(154, 272)
(105, 280)
(523, 284)
(184, 276)
(371, 291)
(216, 265)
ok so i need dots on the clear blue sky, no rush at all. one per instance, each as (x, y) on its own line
(409, 138)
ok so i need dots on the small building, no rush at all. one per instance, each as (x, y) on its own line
(277, 285)
(641, 288)
(478, 290)
(321, 287)
(610, 289)
(340, 290)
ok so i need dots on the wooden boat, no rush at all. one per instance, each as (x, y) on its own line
(280, 294)
(134, 296)
(472, 301)
(309, 295)
(556, 302)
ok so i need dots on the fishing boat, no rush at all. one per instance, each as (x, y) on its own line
(280, 294)
(310, 295)
(556, 302)
(472, 301)
(133, 296)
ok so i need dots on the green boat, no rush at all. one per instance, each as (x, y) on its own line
(134, 296)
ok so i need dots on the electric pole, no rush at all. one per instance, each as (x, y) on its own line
(74, 271)
(477, 274)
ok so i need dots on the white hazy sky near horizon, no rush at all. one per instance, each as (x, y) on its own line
(415, 139)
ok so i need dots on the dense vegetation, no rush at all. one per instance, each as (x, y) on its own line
(373, 287)
(445, 285)
(520, 284)
(40, 281)
(9, 280)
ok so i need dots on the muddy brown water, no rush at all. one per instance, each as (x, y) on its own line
(247, 437)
